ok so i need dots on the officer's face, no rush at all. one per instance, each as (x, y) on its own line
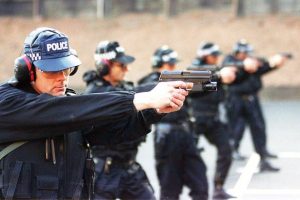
(54, 83)
(168, 66)
(118, 71)
(241, 55)
(211, 59)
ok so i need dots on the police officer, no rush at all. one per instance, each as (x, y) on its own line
(42, 154)
(205, 109)
(243, 101)
(178, 160)
(118, 173)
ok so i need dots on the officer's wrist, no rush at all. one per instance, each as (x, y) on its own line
(141, 101)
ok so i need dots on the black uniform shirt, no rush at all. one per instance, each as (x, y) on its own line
(249, 84)
(126, 149)
(205, 103)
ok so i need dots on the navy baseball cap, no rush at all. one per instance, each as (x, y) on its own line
(164, 54)
(112, 51)
(208, 48)
(242, 46)
(49, 50)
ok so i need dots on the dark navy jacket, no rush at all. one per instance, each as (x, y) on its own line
(28, 116)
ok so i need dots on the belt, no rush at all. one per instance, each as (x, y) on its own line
(249, 97)
(185, 126)
(110, 162)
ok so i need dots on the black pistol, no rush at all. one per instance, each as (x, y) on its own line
(201, 79)
(288, 55)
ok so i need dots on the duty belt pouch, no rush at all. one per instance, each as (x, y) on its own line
(47, 187)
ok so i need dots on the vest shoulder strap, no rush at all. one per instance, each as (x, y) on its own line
(11, 148)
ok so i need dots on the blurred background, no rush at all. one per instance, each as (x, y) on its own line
(141, 26)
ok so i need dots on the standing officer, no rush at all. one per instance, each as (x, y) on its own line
(205, 110)
(178, 160)
(42, 154)
(118, 175)
(243, 101)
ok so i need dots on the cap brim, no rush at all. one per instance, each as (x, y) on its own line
(216, 53)
(173, 61)
(125, 59)
(57, 64)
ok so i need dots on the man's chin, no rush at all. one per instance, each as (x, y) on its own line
(60, 92)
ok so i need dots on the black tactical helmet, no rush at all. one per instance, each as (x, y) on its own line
(242, 46)
(163, 55)
(208, 48)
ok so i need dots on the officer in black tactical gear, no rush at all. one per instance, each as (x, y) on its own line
(205, 110)
(42, 155)
(178, 160)
(243, 102)
(118, 175)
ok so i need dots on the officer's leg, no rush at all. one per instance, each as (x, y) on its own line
(239, 130)
(168, 155)
(194, 170)
(260, 112)
(107, 184)
(257, 124)
(258, 132)
(236, 126)
(135, 185)
(218, 135)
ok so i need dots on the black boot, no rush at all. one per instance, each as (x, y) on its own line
(265, 166)
(267, 154)
(219, 193)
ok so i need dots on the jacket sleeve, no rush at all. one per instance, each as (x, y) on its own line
(31, 116)
(264, 68)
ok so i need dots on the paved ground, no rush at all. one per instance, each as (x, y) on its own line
(283, 127)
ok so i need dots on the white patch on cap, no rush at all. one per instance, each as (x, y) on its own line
(208, 51)
(120, 49)
(168, 57)
(34, 56)
(105, 56)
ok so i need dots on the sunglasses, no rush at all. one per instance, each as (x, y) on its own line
(50, 74)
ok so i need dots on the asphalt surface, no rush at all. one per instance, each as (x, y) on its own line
(244, 180)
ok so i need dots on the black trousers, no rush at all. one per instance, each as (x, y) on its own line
(178, 163)
(238, 130)
(246, 110)
(217, 134)
(123, 182)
